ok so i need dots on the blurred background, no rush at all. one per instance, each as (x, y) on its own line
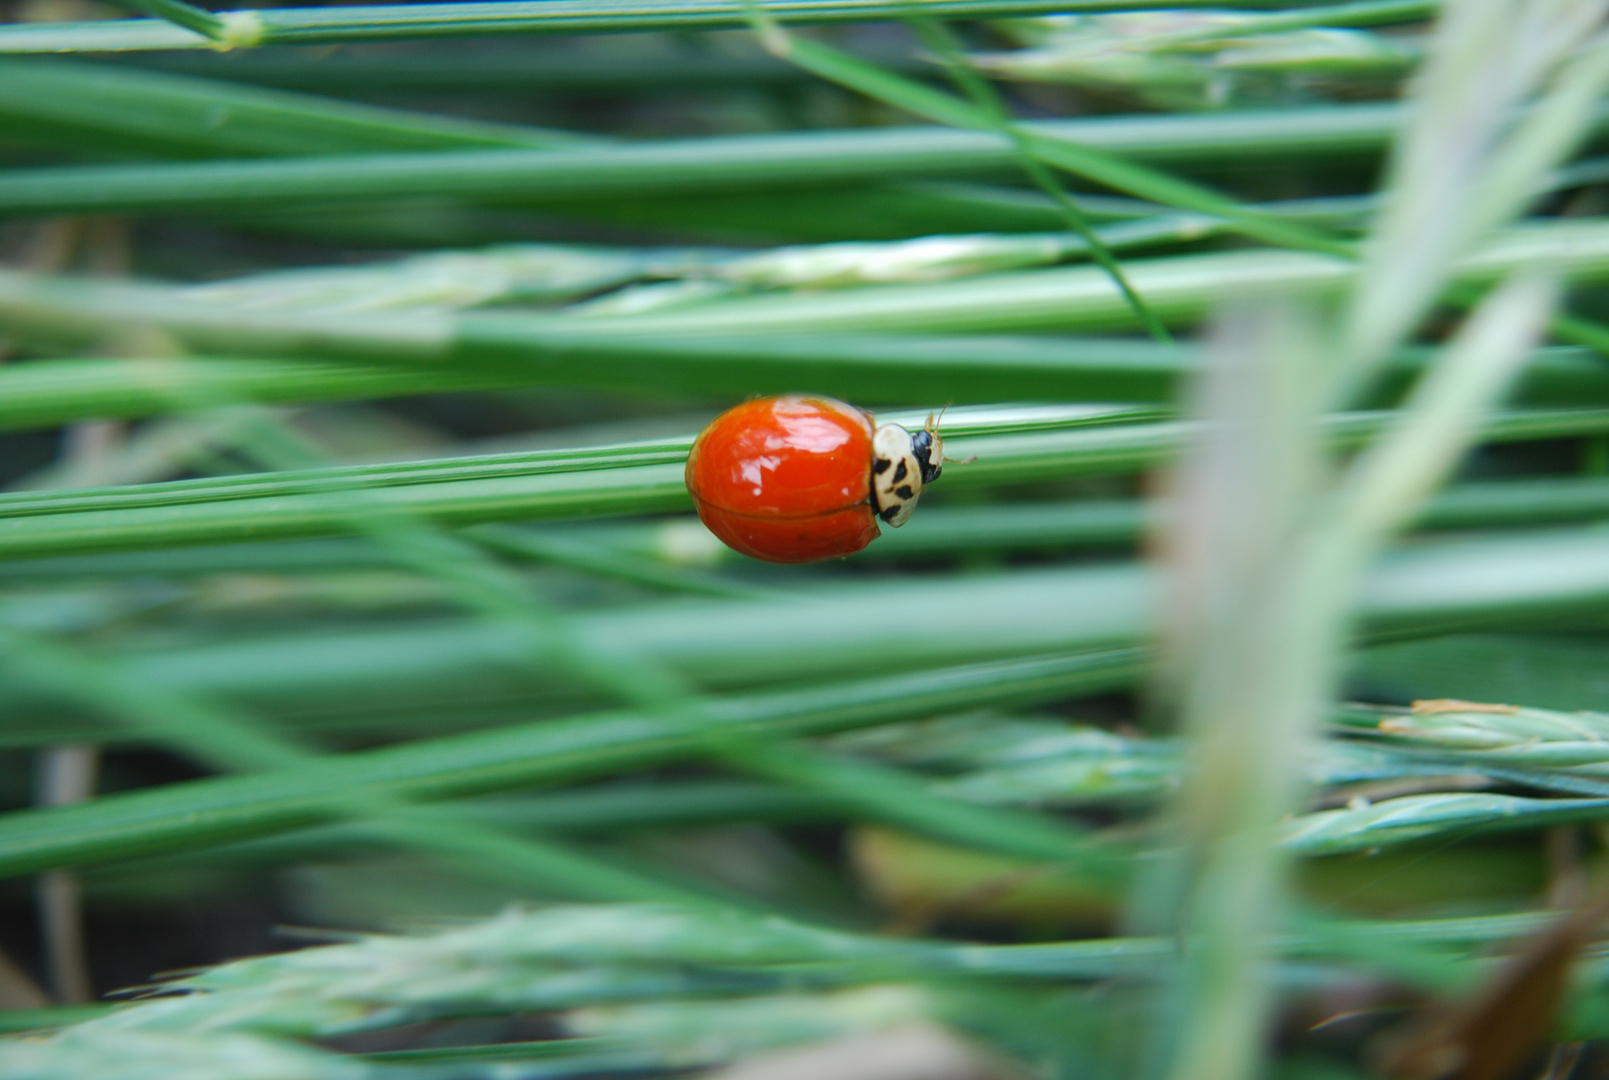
(348, 583)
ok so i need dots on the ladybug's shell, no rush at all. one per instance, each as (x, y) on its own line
(786, 479)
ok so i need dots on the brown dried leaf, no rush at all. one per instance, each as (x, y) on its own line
(1489, 1035)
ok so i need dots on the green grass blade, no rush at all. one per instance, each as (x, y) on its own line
(865, 369)
(1359, 13)
(53, 392)
(728, 163)
(520, 69)
(451, 669)
(221, 738)
(182, 816)
(638, 479)
(1180, 289)
(310, 26)
(1425, 817)
(900, 210)
(614, 562)
(1079, 159)
(870, 369)
(987, 100)
(29, 1020)
(77, 311)
(883, 794)
(620, 807)
(98, 108)
(1462, 167)
(179, 13)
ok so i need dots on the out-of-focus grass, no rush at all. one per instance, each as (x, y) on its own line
(407, 342)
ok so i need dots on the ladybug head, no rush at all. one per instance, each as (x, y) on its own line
(902, 466)
(928, 446)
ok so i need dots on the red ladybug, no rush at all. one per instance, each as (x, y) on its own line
(798, 479)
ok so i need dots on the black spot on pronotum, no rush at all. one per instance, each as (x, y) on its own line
(900, 473)
(888, 513)
(881, 465)
(904, 491)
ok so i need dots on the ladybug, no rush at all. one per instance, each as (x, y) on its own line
(798, 479)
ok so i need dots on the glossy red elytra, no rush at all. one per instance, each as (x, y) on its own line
(799, 478)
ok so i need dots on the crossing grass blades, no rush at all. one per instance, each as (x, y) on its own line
(376, 705)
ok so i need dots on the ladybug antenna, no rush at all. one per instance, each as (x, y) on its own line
(932, 428)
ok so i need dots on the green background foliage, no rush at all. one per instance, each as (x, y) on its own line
(348, 580)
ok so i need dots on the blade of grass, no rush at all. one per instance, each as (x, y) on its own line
(53, 392)
(614, 807)
(184, 15)
(502, 964)
(548, 274)
(1426, 817)
(1360, 13)
(620, 480)
(309, 26)
(1259, 668)
(940, 531)
(963, 422)
(65, 310)
(13, 1021)
(625, 565)
(92, 108)
(900, 211)
(707, 165)
(870, 369)
(1463, 167)
(517, 69)
(449, 669)
(884, 794)
(1241, 649)
(953, 530)
(989, 104)
(1179, 289)
(1390, 481)
(1271, 695)
(1080, 159)
(232, 742)
(863, 368)
(182, 816)
(692, 938)
(1048, 766)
